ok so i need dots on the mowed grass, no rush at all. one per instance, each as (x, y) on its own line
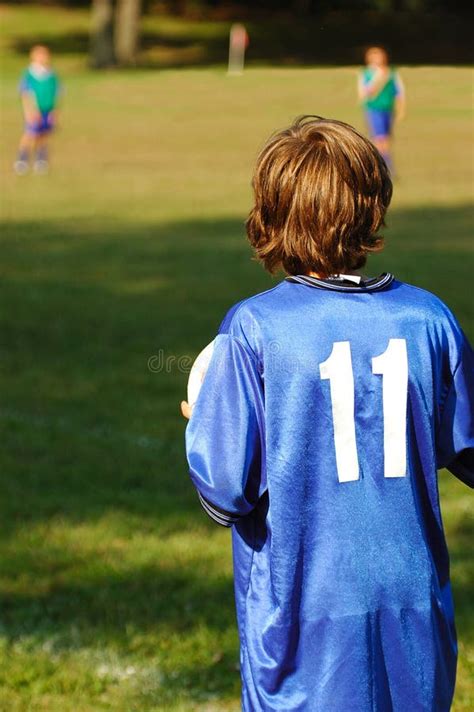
(116, 591)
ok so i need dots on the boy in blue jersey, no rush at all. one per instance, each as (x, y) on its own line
(328, 406)
(39, 92)
(382, 94)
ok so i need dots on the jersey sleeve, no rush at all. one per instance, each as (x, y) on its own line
(24, 84)
(455, 443)
(361, 81)
(58, 88)
(224, 435)
(398, 85)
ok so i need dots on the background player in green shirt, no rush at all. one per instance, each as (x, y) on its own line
(382, 94)
(39, 92)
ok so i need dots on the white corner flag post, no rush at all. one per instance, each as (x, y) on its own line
(238, 42)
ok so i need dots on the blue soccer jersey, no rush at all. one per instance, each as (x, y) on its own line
(326, 411)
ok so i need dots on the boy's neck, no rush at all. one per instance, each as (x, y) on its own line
(356, 273)
(39, 70)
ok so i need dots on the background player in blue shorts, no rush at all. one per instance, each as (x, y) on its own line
(329, 403)
(39, 91)
(382, 94)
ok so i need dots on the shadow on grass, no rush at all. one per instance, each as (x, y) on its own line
(91, 431)
(100, 327)
(154, 616)
(460, 539)
(78, 42)
(333, 39)
(116, 603)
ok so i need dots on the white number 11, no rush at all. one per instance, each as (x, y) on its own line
(392, 365)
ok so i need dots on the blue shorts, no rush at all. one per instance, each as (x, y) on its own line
(379, 122)
(43, 125)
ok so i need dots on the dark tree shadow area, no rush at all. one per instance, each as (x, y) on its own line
(91, 426)
(337, 38)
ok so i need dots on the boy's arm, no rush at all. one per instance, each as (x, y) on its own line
(30, 107)
(400, 99)
(455, 442)
(224, 435)
(377, 83)
(58, 95)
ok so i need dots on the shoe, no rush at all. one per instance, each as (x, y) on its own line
(41, 167)
(21, 167)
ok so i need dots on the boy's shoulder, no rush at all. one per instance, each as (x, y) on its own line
(422, 301)
(259, 319)
(244, 321)
(261, 305)
(25, 78)
(247, 309)
(427, 308)
(50, 75)
(421, 297)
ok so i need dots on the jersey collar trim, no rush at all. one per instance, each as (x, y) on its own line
(339, 284)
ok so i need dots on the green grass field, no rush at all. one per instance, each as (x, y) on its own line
(116, 590)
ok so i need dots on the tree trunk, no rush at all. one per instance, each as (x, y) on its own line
(101, 45)
(127, 19)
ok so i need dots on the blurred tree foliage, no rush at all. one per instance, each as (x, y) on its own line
(317, 6)
(296, 7)
(281, 31)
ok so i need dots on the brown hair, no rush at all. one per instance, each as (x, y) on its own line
(321, 194)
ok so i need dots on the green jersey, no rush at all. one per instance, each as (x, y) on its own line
(385, 99)
(43, 85)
